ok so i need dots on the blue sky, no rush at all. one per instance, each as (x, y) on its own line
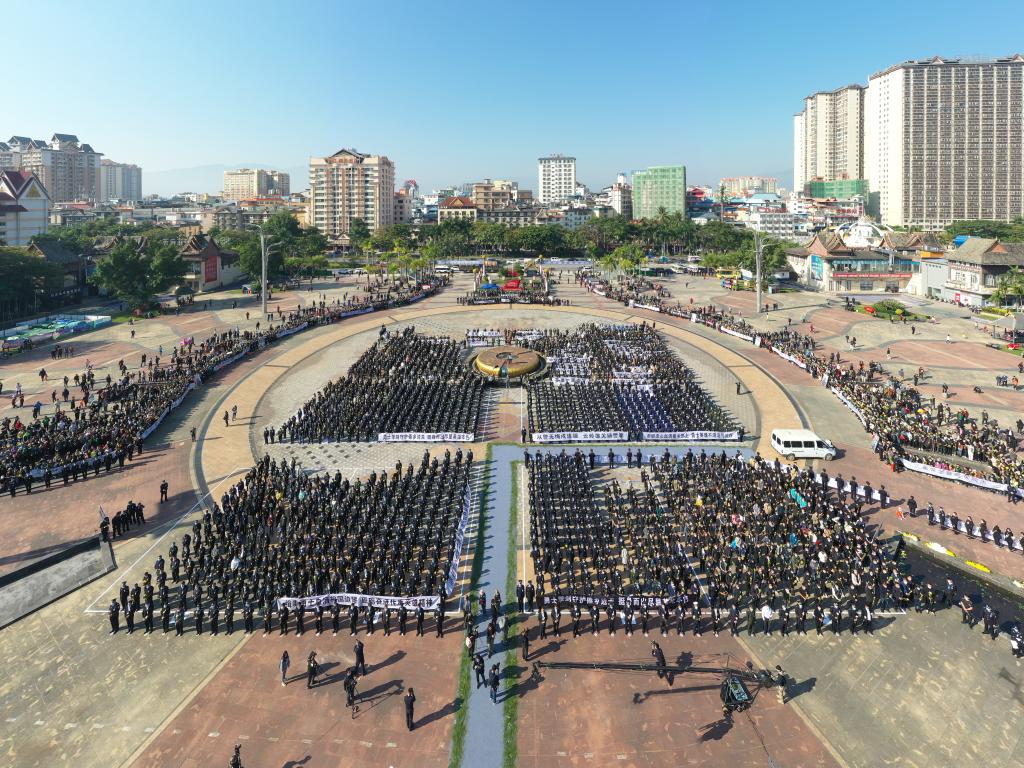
(454, 92)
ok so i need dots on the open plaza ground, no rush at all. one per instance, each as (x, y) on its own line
(923, 690)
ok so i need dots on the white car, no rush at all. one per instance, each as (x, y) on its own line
(802, 444)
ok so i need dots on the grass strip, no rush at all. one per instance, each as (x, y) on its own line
(511, 704)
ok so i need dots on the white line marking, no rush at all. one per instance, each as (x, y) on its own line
(170, 525)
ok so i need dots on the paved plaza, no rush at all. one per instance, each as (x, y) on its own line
(923, 690)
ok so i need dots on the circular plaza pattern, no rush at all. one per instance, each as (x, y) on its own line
(516, 361)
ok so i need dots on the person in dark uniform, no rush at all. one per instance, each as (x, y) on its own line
(360, 658)
(113, 612)
(410, 700)
(165, 617)
(659, 659)
(123, 595)
(420, 614)
(525, 635)
(282, 614)
(147, 617)
(353, 619)
(199, 619)
(478, 669)
(311, 669)
(335, 618)
(179, 623)
(350, 688)
(163, 491)
(439, 621)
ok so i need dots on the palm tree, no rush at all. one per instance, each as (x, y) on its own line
(1009, 285)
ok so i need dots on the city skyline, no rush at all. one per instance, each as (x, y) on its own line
(720, 102)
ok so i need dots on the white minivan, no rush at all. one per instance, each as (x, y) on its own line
(802, 444)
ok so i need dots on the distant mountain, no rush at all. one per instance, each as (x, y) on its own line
(210, 178)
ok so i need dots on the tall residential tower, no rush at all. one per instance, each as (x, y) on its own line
(828, 137)
(944, 141)
(556, 178)
(349, 185)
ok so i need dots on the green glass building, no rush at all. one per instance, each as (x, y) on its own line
(663, 186)
(841, 189)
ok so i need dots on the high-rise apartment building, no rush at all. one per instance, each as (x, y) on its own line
(67, 169)
(828, 136)
(248, 183)
(120, 181)
(556, 179)
(663, 186)
(745, 186)
(350, 185)
(944, 141)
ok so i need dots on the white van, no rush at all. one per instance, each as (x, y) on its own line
(802, 444)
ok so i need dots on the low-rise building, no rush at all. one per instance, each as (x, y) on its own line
(24, 207)
(976, 266)
(72, 263)
(404, 206)
(208, 265)
(456, 207)
(827, 263)
(779, 224)
(488, 195)
(509, 217)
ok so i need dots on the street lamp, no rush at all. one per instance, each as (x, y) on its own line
(265, 251)
(757, 269)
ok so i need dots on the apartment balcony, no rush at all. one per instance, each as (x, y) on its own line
(983, 290)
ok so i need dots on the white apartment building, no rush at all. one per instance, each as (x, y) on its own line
(67, 169)
(247, 183)
(556, 179)
(351, 185)
(779, 224)
(9, 159)
(828, 136)
(120, 181)
(745, 186)
(24, 207)
(944, 141)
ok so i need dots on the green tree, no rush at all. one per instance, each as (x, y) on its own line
(138, 275)
(1010, 231)
(1009, 287)
(25, 282)
(358, 234)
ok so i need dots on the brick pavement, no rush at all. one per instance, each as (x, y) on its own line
(245, 704)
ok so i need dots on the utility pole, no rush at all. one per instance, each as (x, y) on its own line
(757, 271)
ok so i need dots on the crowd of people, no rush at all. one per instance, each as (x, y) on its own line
(620, 379)
(523, 296)
(99, 424)
(710, 542)
(405, 382)
(280, 533)
(909, 424)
